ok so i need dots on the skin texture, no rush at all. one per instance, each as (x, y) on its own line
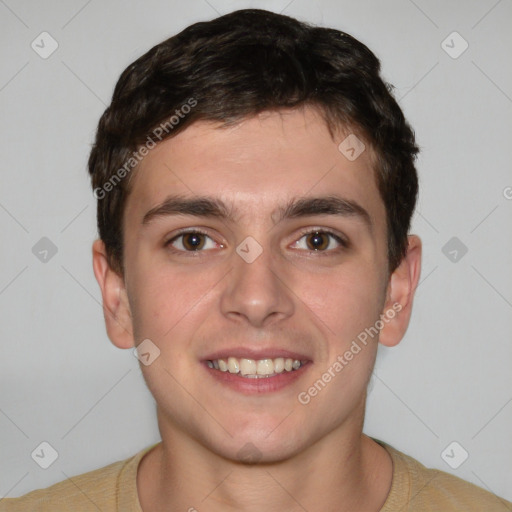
(190, 304)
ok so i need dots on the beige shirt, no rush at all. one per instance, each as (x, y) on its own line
(113, 488)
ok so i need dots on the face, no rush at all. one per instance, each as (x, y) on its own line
(256, 249)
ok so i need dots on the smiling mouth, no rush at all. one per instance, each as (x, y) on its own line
(256, 368)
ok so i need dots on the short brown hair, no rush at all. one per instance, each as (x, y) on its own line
(237, 66)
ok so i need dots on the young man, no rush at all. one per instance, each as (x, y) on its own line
(255, 183)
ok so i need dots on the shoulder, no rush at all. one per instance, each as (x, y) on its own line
(420, 489)
(94, 490)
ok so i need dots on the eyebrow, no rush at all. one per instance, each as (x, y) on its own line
(197, 206)
(296, 208)
(329, 205)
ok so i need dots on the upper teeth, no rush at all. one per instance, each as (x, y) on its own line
(253, 367)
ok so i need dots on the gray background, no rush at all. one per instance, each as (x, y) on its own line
(61, 381)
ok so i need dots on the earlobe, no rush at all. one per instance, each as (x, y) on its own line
(116, 308)
(400, 295)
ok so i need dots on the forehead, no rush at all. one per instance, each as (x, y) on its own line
(256, 165)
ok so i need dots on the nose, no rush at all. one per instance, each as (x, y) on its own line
(256, 293)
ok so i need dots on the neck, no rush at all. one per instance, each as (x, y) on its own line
(343, 471)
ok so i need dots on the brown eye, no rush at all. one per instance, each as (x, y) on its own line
(317, 241)
(320, 241)
(193, 241)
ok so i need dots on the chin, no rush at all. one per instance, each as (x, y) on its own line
(264, 442)
(256, 451)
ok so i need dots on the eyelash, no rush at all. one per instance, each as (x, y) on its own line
(339, 239)
(180, 233)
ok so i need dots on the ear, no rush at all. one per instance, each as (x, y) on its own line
(116, 308)
(400, 294)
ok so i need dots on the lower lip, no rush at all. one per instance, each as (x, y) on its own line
(250, 386)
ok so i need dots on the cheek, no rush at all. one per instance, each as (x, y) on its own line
(346, 301)
(346, 304)
(167, 299)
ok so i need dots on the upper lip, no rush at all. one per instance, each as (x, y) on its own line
(260, 353)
